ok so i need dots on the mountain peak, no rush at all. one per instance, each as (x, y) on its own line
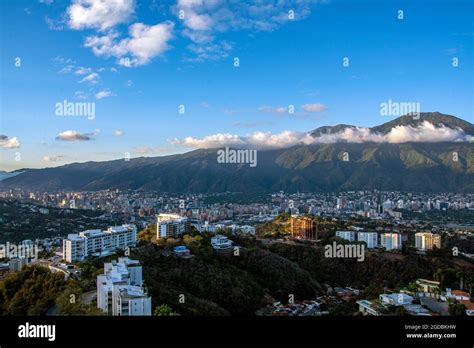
(435, 118)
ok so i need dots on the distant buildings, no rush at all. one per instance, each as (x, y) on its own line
(220, 242)
(427, 286)
(391, 241)
(458, 295)
(370, 239)
(395, 299)
(367, 307)
(347, 235)
(430, 300)
(304, 308)
(15, 264)
(120, 289)
(427, 241)
(171, 225)
(97, 243)
(247, 229)
(303, 227)
(215, 227)
(18, 263)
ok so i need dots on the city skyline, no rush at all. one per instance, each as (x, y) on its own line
(139, 62)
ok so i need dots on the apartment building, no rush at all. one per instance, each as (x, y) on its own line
(303, 227)
(120, 290)
(370, 238)
(347, 235)
(77, 247)
(171, 225)
(427, 241)
(391, 241)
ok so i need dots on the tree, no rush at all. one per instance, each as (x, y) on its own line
(447, 278)
(457, 309)
(401, 311)
(31, 291)
(164, 311)
(69, 302)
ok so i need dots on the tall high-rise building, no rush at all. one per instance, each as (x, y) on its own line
(370, 238)
(120, 289)
(171, 225)
(427, 241)
(391, 241)
(347, 235)
(303, 227)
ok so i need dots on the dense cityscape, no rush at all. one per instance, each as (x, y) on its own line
(106, 228)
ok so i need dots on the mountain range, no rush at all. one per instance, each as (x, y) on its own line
(418, 166)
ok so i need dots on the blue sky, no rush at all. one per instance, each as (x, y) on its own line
(138, 61)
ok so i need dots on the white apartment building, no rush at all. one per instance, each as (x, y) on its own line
(391, 241)
(347, 235)
(120, 289)
(171, 225)
(426, 241)
(370, 238)
(96, 242)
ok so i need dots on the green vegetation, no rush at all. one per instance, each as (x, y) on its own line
(377, 271)
(457, 309)
(147, 235)
(69, 302)
(164, 310)
(31, 291)
(36, 291)
(221, 284)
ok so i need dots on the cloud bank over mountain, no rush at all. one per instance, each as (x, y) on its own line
(423, 132)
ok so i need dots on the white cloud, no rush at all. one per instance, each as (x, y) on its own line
(104, 94)
(273, 110)
(53, 24)
(119, 133)
(143, 44)
(210, 51)
(9, 143)
(70, 135)
(203, 19)
(210, 141)
(66, 69)
(314, 107)
(91, 78)
(52, 158)
(99, 14)
(146, 150)
(426, 132)
(80, 70)
(80, 95)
